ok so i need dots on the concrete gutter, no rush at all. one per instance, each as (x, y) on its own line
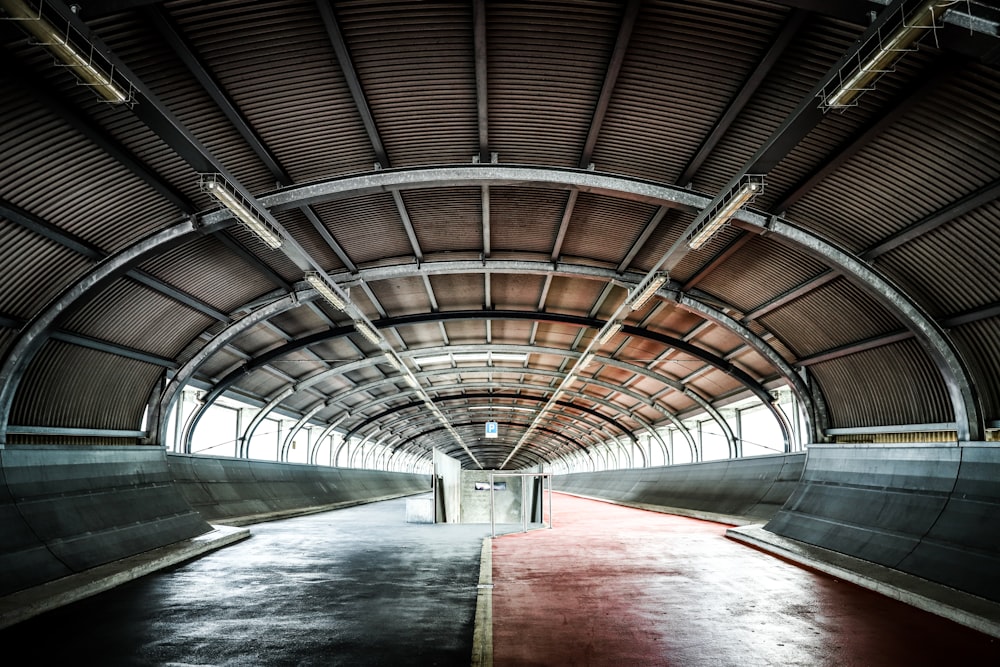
(963, 608)
(22, 605)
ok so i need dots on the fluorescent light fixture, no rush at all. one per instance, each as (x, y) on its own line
(748, 188)
(365, 330)
(610, 330)
(217, 186)
(585, 360)
(58, 42)
(470, 356)
(508, 356)
(645, 290)
(500, 407)
(412, 381)
(887, 53)
(394, 362)
(319, 283)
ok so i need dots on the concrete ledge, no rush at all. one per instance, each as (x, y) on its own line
(25, 604)
(963, 608)
(482, 638)
(251, 519)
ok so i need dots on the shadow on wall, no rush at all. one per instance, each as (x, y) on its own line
(752, 488)
(928, 510)
(65, 510)
(931, 511)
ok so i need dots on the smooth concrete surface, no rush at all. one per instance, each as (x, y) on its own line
(21, 606)
(356, 586)
(476, 501)
(752, 488)
(449, 473)
(64, 510)
(929, 510)
(612, 585)
(243, 491)
(420, 510)
(959, 606)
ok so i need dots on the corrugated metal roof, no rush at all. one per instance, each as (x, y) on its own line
(84, 179)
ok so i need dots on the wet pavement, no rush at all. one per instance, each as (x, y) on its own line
(612, 585)
(357, 586)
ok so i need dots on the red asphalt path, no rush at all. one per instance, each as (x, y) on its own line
(613, 585)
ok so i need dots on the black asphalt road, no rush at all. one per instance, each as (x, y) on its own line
(357, 586)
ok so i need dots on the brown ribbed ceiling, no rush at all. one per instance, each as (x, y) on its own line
(284, 93)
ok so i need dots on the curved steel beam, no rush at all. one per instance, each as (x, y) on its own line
(638, 398)
(674, 384)
(970, 423)
(421, 435)
(565, 425)
(965, 405)
(585, 436)
(461, 397)
(816, 426)
(741, 376)
(37, 331)
(437, 389)
(969, 419)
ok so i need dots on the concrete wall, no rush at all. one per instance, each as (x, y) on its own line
(65, 510)
(932, 511)
(753, 488)
(242, 491)
(476, 504)
(449, 472)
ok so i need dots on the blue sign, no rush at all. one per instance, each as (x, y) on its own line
(492, 430)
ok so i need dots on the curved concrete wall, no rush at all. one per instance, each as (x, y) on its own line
(65, 510)
(241, 491)
(753, 488)
(931, 511)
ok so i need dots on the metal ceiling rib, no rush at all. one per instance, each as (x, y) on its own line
(887, 173)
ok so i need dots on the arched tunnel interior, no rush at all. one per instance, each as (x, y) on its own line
(360, 231)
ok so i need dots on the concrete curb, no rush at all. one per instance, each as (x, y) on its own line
(22, 605)
(482, 638)
(963, 608)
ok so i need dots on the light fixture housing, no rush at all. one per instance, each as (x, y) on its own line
(394, 362)
(855, 80)
(645, 290)
(75, 52)
(415, 384)
(743, 192)
(610, 330)
(319, 283)
(368, 332)
(244, 211)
